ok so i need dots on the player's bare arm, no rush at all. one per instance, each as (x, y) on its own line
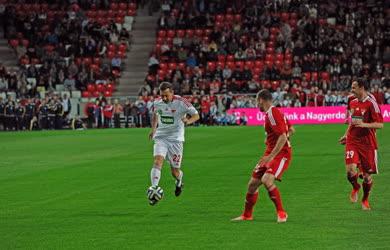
(190, 120)
(361, 124)
(154, 126)
(279, 145)
(291, 131)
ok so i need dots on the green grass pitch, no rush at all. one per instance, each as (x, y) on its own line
(86, 190)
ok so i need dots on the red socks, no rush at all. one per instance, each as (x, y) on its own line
(250, 203)
(366, 190)
(274, 195)
(353, 180)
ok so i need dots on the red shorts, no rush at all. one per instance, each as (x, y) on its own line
(275, 167)
(364, 157)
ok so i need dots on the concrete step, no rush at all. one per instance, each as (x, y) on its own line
(133, 74)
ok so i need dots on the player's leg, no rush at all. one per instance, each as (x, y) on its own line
(268, 180)
(250, 199)
(175, 155)
(351, 163)
(369, 167)
(159, 152)
(252, 194)
(367, 184)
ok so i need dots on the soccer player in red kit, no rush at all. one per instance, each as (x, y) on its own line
(360, 139)
(275, 160)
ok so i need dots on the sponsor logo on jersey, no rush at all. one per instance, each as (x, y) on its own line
(167, 119)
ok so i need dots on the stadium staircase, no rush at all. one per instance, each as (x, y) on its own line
(136, 69)
(8, 56)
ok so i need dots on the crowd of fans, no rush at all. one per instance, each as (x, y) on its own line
(53, 111)
(302, 50)
(59, 42)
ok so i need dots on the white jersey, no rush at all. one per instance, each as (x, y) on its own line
(169, 116)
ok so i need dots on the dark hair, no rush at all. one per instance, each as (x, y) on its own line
(165, 85)
(362, 83)
(264, 94)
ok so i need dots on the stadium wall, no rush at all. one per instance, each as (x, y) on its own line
(304, 115)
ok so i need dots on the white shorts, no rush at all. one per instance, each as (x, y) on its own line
(170, 150)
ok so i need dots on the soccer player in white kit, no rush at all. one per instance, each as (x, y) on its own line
(168, 121)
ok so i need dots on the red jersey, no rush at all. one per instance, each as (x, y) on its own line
(369, 112)
(311, 99)
(353, 97)
(275, 125)
(319, 100)
(108, 110)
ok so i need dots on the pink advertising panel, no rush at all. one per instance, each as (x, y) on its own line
(304, 115)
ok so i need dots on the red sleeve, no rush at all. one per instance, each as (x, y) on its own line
(375, 112)
(278, 123)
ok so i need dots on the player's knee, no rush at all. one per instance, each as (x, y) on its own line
(351, 169)
(158, 161)
(267, 180)
(253, 185)
(367, 178)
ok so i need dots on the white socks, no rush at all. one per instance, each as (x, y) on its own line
(179, 179)
(155, 175)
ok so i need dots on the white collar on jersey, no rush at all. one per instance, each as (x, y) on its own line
(365, 99)
(269, 110)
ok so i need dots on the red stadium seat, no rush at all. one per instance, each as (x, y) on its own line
(211, 66)
(95, 68)
(190, 33)
(229, 18)
(122, 6)
(237, 18)
(25, 42)
(284, 16)
(100, 87)
(95, 94)
(230, 64)
(131, 12)
(259, 63)
(107, 93)
(257, 70)
(275, 85)
(240, 64)
(163, 66)
(171, 33)
(162, 33)
(114, 6)
(230, 58)
(85, 94)
(221, 64)
(14, 43)
(221, 58)
(288, 56)
(325, 76)
(133, 6)
(268, 63)
(91, 87)
(110, 87)
(172, 66)
(87, 60)
(249, 64)
(207, 32)
(110, 54)
(269, 57)
(270, 50)
(266, 84)
(181, 66)
(314, 76)
(112, 47)
(122, 47)
(121, 54)
(97, 61)
(119, 19)
(198, 32)
(180, 33)
(307, 75)
(219, 18)
(279, 56)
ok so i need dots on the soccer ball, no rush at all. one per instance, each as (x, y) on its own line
(155, 193)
